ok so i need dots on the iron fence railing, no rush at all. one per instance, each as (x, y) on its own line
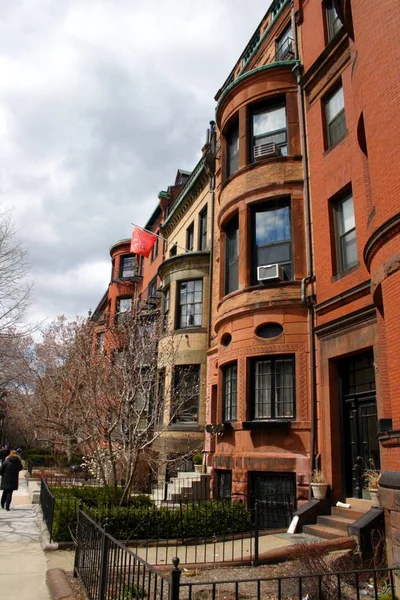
(344, 585)
(47, 502)
(109, 570)
(200, 530)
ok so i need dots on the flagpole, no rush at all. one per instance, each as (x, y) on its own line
(159, 237)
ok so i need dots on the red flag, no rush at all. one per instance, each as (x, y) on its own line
(142, 242)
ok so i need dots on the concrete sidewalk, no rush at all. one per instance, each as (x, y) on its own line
(23, 563)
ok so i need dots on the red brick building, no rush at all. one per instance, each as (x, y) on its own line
(351, 91)
(306, 181)
(258, 360)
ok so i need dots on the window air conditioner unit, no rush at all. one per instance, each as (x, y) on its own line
(270, 273)
(266, 150)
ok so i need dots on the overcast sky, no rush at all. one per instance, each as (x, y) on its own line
(101, 101)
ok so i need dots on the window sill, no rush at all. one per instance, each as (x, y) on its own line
(271, 423)
(185, 427)
(330, 148)
(183, 330)
(340, 276)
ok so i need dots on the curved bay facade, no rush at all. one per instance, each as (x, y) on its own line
(258, 437)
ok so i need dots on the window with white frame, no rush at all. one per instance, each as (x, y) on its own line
(190, 308)
(345, 234)
(335, 117)
(269, 127)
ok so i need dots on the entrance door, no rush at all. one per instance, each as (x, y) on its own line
(276, 496)
(360, 442)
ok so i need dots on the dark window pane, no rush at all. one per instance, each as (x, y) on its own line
(224, 484)
(230, 393)
(232, 256)
(269, 330)
(190, 238)
(284, 46)
(186, 392)
(127, 266)
(273, 381)
(232, 142)
(203, 229)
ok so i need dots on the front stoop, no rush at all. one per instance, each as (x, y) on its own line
(336, 525)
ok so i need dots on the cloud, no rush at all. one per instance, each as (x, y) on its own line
(100, 103)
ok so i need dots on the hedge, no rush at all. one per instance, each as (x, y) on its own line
(201, 520)
(143, 521)
(69, 499)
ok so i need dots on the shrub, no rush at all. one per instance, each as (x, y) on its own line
(193, 521)
(64, 519)
(141, 519)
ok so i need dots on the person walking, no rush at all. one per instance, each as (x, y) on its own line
(9, 477)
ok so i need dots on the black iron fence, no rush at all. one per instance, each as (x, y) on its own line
(108, 570)
(345, 585)
(200, 531)
(47, 502)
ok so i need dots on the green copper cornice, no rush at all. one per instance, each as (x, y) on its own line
(199, 168)
(248, 74)
(124, 241)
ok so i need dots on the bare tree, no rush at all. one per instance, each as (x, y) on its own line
(15, 289)
(14, 269)
(110, 404)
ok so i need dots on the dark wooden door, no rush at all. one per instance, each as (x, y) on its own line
(360, 443)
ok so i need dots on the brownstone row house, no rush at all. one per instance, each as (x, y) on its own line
(287, 291)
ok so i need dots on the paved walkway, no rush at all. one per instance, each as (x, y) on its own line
(23, 563)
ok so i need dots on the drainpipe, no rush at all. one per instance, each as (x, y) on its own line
(310, 278)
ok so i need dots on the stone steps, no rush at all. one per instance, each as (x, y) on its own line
(337, 524)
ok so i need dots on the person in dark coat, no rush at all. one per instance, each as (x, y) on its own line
(9, 477)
